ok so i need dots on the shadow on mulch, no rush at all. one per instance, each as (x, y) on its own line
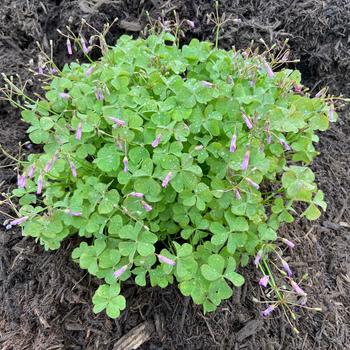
(46, 299)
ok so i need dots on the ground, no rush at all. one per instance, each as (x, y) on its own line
(45, 299)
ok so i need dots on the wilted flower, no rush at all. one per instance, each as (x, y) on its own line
(73, 169)
(166, 260)
(297, 288)
(117, 122)
(190, 23)
(146, 206)
(126, 163)
(19, 221)
(69, 47)
(287, 268)
(264, 281)
(79, 132)
(156, 141)
(233, 143)
(269, 71)
(252, 183)
(136, 194)
(167, 179)
(40, 184)
(120, 271)
(319, 94)
(54, 70)
(247, 121)
(267, 311)
(245, 162)
(289, 243)
(298, 89)
(21, 181)
(83, 44)
(64, 95)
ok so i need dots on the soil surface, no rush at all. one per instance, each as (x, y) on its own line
(45, 299)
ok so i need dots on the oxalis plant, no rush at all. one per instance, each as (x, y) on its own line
(173, 165)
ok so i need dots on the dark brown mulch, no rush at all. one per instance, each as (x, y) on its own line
(45, 298)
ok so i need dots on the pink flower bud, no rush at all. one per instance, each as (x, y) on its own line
(31, 171)
(40, 184)
(298, 89)
(21, 181)
(287, 268)
(51, 162)
(73, 169)
(64, 95)
(319, 94)
(284, 144)
(252, 183)
(199, 147)
(166, 260)
(126, 163)
(156, 141)
(69, 47)
(89, 71)
(120, 271)
(19, 221)
(146, 206)
(245, 162)
(79, 132)
(247, 121)
(73, 213)
(190, 23)
(117, 122)
(238, 194)
(233, 143)
(207, 84)
(264, 281)
(268, 310)
(269, 71)
(167, 179)
(289, 243)
(136, 194)
(297, 288)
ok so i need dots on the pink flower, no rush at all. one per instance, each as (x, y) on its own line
(257, 259)
(40, 184)
(166, 260)
(252, 183)
(51, 162)
(297, 288)
(83, 44)
(73, 169)
(89, 71)
(146, 206)
(31, 171)
(331, 114)
(319, 94)
(245, 162)
(64, 95)
(167, 179)
(269, 71)
(126, 163)
(79, 132)
(118, 122)
(19, 221)
(156, 141)
(268, 310)
(289, 243)
(287, 268)
(247, 121)
(136, 194)
(284, 144)
(69, 47)
(237, 194)
(99, 94)
(298, 89)
(264, 281)
(207, 84)
(21, 181)
(73, 213)
(120, 271)
(233, 143)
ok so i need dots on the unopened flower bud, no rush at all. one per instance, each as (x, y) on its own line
(264, 281)
(126, 163)
(166, 260)
(118, 122)
(245, 162)
(19, 221)
(120, 271)
(252, 183)
(156, 141)
(268, 311)
(287, 268)
(167, 179)
(73, 169)
(269, 71)
(297, 288)
(146, 206)
(79, 132)
(40, 184)
(289, 243)
(69, 47)
(247, 121)
(233, 143)
(136, 194)
(64, 95)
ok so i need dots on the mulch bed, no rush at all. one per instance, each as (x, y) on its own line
(45, 299)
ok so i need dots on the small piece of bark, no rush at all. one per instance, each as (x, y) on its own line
(136, 337)
(249, 329)
(130, 26)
